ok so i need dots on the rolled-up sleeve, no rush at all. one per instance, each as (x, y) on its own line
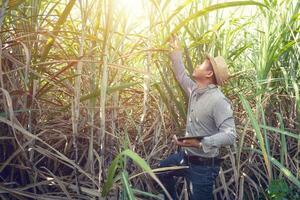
(178, 68)
(223, 117)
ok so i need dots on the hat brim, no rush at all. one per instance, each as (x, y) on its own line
(215, 68)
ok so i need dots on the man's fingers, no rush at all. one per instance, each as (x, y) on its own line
(186, 142)
(180, 143)
(174, 139)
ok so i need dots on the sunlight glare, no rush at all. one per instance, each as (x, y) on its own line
(132, 8)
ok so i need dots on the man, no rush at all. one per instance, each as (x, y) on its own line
(209, 115)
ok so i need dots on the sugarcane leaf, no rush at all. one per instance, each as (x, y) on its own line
(257, 131)
(138, 161)
(279, 166)
(281, 131)
(210, 9)
(128, 189)
(57, 27)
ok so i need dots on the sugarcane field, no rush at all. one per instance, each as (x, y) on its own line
(150, 100)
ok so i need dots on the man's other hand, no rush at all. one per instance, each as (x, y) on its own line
(186, 143)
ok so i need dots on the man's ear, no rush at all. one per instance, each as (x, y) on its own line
(209, 74)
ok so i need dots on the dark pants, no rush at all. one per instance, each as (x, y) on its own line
(200, 178)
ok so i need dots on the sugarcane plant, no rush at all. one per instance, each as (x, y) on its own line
(89, 102)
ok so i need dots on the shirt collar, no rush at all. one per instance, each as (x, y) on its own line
(202, 90)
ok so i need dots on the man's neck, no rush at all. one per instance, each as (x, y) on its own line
(203, 85)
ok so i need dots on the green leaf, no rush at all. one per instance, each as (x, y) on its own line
(111, 174)
(210, 9)
(179, 105)
(147, 194)
(258, 133)
(126, 184)
(165, 100)
(137, 160)
(56, 29)
(96, 92)
(280, 167)
(278, 189)
(281, 131)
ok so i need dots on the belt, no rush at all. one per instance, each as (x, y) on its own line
(197, 160)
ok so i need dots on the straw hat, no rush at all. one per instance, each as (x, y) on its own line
(220, 69)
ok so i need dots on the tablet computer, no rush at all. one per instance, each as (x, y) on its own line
(190, 137)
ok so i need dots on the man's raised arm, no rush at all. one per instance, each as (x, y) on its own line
(178, 68)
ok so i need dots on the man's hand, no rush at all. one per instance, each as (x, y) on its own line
(187, 143)
(174, 43)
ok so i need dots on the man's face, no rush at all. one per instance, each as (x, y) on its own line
(203, 71)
